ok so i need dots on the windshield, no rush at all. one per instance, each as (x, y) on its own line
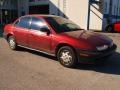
(61, 24)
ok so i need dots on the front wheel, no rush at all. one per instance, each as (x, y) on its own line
(67, 57)
(12, 42)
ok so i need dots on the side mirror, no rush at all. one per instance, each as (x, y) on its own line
(46, 30)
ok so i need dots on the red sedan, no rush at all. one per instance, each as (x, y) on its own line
(115, 27)
(58, 36)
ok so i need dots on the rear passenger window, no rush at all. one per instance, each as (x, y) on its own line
(24, 22)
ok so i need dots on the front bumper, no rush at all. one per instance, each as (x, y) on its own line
(85, 56)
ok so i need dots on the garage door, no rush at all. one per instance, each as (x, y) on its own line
(39, 9)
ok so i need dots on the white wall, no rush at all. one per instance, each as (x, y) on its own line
(96, 18)
(77, 11)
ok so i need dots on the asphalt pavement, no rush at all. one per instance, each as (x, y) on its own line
(29, 70)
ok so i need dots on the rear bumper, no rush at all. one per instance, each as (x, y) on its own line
(93, 56)
(4, 35)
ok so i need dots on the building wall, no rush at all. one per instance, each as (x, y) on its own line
(38, 2)
(54, 5)
(9, 4)
(66, 8)
(100, 14)
(77, 11)
(96, 17)
(106, 13)
(23, 7)
(8, 11)
(111, 12)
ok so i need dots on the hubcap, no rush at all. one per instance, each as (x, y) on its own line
(66, 56)
(12, 43)
(109, 29)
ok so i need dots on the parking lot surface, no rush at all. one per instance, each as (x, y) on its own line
(29, 70)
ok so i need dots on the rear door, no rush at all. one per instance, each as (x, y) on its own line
(21, 30)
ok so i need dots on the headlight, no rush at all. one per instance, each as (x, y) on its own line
(101, 48)
(111, 44)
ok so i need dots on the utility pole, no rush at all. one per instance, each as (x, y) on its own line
(89, 8)
(88, 20)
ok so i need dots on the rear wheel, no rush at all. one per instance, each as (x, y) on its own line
(109, 29)
(67, 57)
(12, 42)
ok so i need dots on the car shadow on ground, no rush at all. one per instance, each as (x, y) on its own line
(1, 35)
(110, 66)
(37, 53)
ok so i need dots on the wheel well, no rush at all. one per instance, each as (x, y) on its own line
(109, 26)
(8, 36)
(61, 45)
(112, 28)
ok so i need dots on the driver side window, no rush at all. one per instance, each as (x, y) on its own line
(37, 24)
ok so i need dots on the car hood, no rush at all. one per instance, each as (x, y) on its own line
(90, 37)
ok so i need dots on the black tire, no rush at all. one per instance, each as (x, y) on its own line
(109, 29)
(12, 43)
(67, 57)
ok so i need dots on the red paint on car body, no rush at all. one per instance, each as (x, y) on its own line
(80, 40)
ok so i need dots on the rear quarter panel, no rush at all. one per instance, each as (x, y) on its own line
(8, 29)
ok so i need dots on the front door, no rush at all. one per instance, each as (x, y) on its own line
(39, 39)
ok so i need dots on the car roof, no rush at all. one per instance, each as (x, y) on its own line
(41, 15)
